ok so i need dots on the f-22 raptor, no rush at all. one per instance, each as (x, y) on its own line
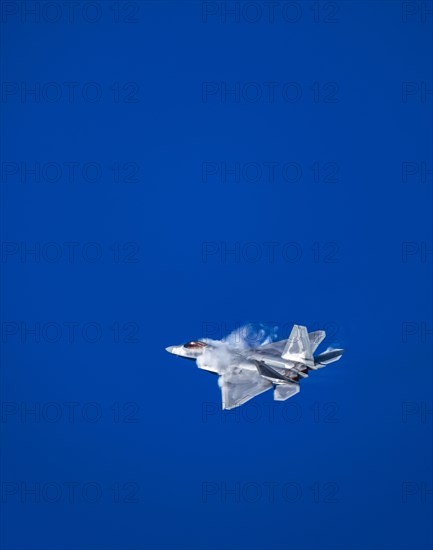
(246, 371)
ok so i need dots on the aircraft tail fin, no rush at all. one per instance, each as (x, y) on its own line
(298, 347)
(316, 338)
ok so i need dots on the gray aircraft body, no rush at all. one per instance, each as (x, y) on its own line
(245, 371)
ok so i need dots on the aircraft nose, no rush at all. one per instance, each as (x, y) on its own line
(170, 349)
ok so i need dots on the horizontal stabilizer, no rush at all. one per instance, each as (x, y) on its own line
(284, 391)
(298, 348)
(328, 356)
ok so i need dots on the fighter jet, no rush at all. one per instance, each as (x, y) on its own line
(246, 371)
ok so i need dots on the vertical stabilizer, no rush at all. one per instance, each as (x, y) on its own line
(316, 338)
(298, 347)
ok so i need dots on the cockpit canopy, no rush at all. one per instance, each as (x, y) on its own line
(195, 344)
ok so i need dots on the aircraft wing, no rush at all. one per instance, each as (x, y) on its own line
(239, 387)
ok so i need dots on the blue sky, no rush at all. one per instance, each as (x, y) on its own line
(172, 170)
